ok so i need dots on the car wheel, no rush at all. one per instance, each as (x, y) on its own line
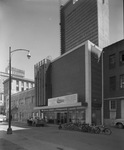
(120, 125)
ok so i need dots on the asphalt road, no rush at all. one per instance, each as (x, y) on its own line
(71, 139)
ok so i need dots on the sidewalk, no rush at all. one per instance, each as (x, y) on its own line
(15, 142)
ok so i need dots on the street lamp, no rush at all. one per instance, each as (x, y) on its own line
(9, 130)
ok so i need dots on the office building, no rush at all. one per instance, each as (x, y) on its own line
(69, 87)
(84, 20)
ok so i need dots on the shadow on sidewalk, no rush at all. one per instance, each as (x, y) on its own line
(7, 145)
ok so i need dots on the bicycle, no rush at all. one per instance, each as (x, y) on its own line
(72, 126)
(85, 127)
(104, 130)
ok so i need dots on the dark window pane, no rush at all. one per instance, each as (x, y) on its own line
(121, 81)
(121, 55)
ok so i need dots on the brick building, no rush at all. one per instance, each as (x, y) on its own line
(113, 81)
(22, 105)
(84, 20)
(71, 85)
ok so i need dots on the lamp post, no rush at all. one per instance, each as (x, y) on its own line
(9, 130)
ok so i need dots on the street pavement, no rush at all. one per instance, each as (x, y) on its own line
(50, 138)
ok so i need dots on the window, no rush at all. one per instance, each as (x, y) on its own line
(31, 85)
(112, 61)
(112, 83)
(27, 85)
(112, 105)
(1, 96)
(22, 86)
(121, 57)
(17, 88)
(122, 81)
(17, 85)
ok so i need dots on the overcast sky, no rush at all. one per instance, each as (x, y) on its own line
(34, 25)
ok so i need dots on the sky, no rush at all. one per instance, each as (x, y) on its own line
(34, 25)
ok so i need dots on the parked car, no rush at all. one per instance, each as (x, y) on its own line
(2, 118)
(119, 123)
(36, 122)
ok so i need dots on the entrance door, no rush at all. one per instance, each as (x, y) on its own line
(62, 117)
(58, 118)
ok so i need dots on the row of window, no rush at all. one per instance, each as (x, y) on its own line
(112, 60)
(22, 85)
(26, 101)
(112, 82)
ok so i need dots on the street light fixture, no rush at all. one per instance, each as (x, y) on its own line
(9, 130)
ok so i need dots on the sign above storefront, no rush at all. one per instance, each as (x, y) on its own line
(68, 99)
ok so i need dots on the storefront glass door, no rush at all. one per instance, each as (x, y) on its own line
(62, 117)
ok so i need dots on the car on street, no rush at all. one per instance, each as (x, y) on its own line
(2, 118)
(36, 122)
(119, 123)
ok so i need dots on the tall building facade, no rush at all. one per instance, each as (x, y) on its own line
(84, 20)
(42, 74)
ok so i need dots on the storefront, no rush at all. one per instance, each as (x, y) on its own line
(62, 110)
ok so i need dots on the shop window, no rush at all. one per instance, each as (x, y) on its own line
(112, 105)
(121, 57)
(122, 81)
(112, 83)
(112, 61)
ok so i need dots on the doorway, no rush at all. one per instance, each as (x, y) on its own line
(62, 117)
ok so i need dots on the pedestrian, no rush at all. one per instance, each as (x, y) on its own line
(60, 126)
